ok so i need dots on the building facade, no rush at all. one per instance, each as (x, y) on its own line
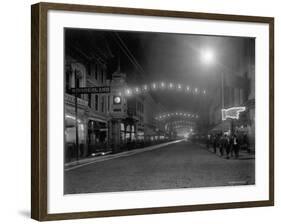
(92, 109)
(103, 122)
(236, 89)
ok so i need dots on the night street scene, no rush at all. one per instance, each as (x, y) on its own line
(152, 111)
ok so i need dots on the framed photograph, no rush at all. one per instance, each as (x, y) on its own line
(138, 111)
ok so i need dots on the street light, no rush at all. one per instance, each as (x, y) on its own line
(207, 56)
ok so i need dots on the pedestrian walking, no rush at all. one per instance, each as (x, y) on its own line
(227, 146)
(215, 142)
(235, 145)
(222, 145)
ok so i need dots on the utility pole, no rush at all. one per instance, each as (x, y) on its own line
(76, 116)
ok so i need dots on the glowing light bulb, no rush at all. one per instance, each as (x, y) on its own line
(128, 91)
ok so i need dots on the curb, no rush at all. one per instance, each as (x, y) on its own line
(88, 161)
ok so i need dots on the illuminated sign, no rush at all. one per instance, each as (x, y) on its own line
(232, 112)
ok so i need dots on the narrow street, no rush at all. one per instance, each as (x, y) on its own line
(180, 165)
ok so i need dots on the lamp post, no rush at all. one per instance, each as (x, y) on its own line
(208, 58)
(222, 90)
(76, 115)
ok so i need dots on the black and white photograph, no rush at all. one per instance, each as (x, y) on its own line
(150, 111)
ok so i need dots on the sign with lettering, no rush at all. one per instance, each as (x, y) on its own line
(71, 99)
(94, 89)
(232, 113)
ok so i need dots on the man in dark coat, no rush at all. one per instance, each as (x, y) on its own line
(222, 145)
(227, 146)
(235, 145)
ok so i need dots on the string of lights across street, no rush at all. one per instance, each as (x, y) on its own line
(165, 116)
(162, 86)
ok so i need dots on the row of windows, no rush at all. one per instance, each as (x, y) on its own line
(99, 103)
(98, 73)
(140, 107)
(233, 96)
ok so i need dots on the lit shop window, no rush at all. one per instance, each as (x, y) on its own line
(70, 130)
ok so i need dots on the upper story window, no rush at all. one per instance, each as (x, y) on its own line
(108, 103)
(103, 104)
(74, 78)
(96, 102)
(68, 80)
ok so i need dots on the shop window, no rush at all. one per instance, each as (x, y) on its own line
(122, 132)
(70, 130)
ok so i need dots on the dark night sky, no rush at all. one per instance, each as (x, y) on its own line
(177, 58)
(172, 58)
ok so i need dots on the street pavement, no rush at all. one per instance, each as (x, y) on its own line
(180, 165)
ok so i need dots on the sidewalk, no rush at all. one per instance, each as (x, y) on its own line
(243, 154)
(83, 162)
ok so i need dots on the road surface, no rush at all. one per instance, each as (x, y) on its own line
(180, 165)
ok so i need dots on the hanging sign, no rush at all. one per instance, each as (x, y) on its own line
(232, 113)
(94, 89)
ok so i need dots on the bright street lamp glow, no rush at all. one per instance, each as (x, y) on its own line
(128, 92)
(207, 56)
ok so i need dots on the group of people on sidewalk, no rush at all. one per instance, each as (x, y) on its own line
(228, 145)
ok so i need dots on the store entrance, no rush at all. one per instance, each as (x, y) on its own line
(97, 136)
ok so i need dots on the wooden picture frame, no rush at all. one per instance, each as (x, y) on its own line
(39, 110)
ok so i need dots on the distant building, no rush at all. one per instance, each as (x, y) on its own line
(153, 129)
